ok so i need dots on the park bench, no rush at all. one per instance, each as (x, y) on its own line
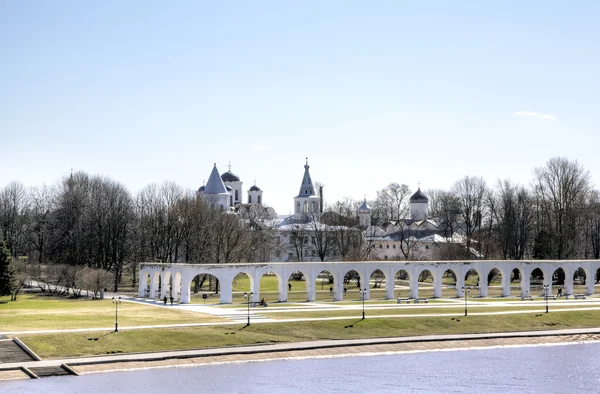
(423, 300)
(551, 297)
(579, 296)
(528, 298)
(401, 300)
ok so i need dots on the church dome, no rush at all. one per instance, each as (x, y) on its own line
(255, 188)
(230, 177)
(201, 189)
(419, 196)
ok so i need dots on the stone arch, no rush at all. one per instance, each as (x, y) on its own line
(202, 282)
(377, 281)
(167, 284)
(242, 282)
(269, 286)
(580, 276)
(497, 282)
(536, 281)
(401, 280)
(145, 284)
(177, 280)
(449, 283)
(353, 283)
(425, 283)
(472, 281)
(155, 289)
(558, 276)
(325, 283)
(298, 291)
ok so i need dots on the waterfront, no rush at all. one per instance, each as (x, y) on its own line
(557, 368)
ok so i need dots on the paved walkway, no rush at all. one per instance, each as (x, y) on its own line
(424, 343)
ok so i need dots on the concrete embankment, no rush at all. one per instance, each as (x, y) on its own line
(305, 350)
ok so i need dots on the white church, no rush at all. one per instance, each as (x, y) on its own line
(416, 237)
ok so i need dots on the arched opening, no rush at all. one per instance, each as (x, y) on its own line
(147, 282)
(579, 281)
(297, 287)
(401, 284)
(324, 286)
(425, 284)
(203, 289)
(536, 282)
(269, 287)
(352, 285)
(558, 277)
(472, 281)
(449, 283)
(168, 278)
(377, 285)
(515, 280)
(242, 283)
(494, 282)
(156, 284)
(177, 287)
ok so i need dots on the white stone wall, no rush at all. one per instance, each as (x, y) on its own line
(156, 273)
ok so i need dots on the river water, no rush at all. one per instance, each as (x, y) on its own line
(571, 368)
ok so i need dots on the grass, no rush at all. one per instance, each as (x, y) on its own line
(401, 310)
(152, 340)
(40, 312)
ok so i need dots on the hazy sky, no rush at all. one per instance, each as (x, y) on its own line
(372, 92)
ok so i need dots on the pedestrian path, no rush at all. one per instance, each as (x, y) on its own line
(234, 315)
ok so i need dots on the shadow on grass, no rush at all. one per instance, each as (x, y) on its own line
(101, 336)
(234, 332)
(352, 325)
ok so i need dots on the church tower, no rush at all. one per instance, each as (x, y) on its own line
(419, 205)
(215, 192)
(306, 201)
(255, 195)
(364, 214)
(233, 181)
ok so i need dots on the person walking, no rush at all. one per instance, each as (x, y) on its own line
(289, 287)
(165, 300)
(171, 300)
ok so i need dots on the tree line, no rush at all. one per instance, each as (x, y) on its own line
(95, 222)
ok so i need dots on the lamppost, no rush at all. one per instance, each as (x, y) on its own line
(246, 296)
(546, 288)
(466, 290)
(116, 301)
(363, 294)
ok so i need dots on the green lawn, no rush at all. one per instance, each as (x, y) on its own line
(150, 340)
(40, 312)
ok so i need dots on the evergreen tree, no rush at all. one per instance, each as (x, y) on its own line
(7, 272)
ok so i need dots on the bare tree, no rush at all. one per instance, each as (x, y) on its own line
(515, 220)
(392, 203)
(470, 193)
(561, 188)
(13, 206)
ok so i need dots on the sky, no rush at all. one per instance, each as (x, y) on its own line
(371, 92)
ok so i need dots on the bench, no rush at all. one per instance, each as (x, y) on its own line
(551, 297)
(423, 300)
(528, 298)
(401, 300)
(579, 296)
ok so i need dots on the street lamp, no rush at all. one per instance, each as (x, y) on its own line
(546, 289)
(363, 294)
(466, 290)
(246, 296)
(116, 301)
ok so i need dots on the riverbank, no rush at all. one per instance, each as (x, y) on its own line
(312, 350)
